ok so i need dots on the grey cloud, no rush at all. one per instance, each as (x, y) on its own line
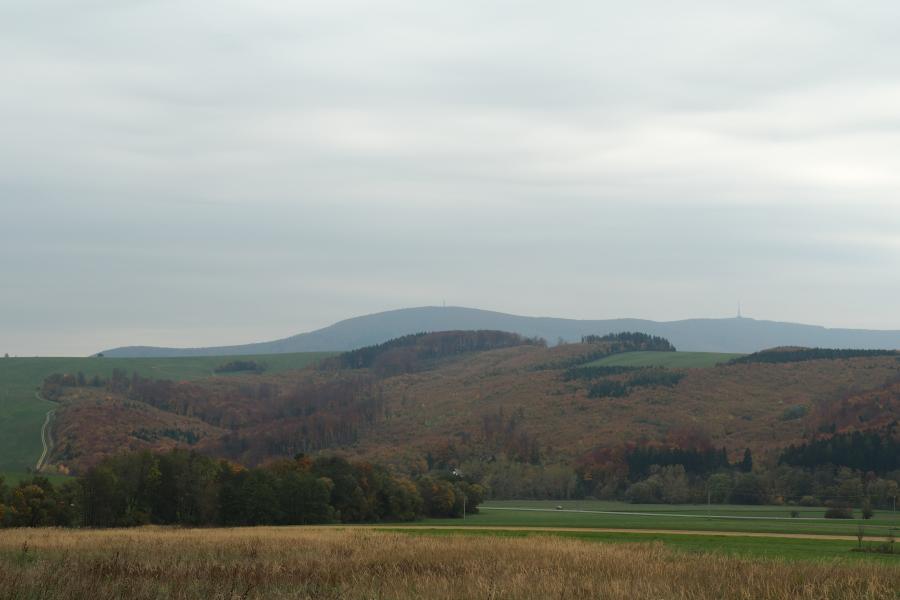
(195, 172)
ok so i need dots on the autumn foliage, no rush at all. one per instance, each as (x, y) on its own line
(491, 405)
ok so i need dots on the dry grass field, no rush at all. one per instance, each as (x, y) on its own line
(346, 563)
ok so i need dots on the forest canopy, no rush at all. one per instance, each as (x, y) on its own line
(187, 488)
(874, 451)
(786, 355)
(633, 340)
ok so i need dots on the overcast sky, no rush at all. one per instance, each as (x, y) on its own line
(191, 172)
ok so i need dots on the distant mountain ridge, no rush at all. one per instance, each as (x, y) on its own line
(698, 335)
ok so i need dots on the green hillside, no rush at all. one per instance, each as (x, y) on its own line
(671, 360)
(22, 412)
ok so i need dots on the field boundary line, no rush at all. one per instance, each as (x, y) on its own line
(682, 515)
(694, 532)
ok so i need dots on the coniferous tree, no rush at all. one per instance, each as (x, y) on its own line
(746, 464)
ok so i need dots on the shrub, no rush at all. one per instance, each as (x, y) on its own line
(655, 377)
(839, 512)
(643, 492)
(608, 389)
(748, 489)
(791, 413)
(719, 485)
(236, 366)
(596, 372)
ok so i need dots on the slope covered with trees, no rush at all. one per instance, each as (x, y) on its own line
(414, 352)
(524, 419)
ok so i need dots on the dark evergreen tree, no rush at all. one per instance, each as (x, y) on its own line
(746, 464)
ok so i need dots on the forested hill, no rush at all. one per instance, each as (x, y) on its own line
(409, 353)
(740, 335)
(507, 410)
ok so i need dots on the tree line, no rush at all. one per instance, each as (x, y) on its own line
(845, 471)
(645, 377)
(606, 381)
(186, 488)
(787, 355)
(641, 459)
(596, 372)
(600, 346)
(237, 366)
(876, 451)
(634, 340)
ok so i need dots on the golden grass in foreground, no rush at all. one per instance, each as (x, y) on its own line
(331, 563)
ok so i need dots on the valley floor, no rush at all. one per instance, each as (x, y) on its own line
(685, 517)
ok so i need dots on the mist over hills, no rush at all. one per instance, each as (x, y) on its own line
(700, 335)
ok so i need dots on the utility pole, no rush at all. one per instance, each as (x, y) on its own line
(708, 502)
(464, 507)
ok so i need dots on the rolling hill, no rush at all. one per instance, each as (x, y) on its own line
(488, 401)
(23, 410)
(735, 335)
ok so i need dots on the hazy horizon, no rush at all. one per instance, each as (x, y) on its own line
(287, 334)
(198, 173)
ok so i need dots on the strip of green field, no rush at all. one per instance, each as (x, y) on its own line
(756, 547)
(670, 360)
(12, 478)
(22, 412)
(620, 515)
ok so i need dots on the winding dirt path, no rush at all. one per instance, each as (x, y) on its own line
(46, 437)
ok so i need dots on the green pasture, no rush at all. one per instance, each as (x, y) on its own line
(670, 360)
(754, 547)
(22, 412)
(689, 517)
(11, 478)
